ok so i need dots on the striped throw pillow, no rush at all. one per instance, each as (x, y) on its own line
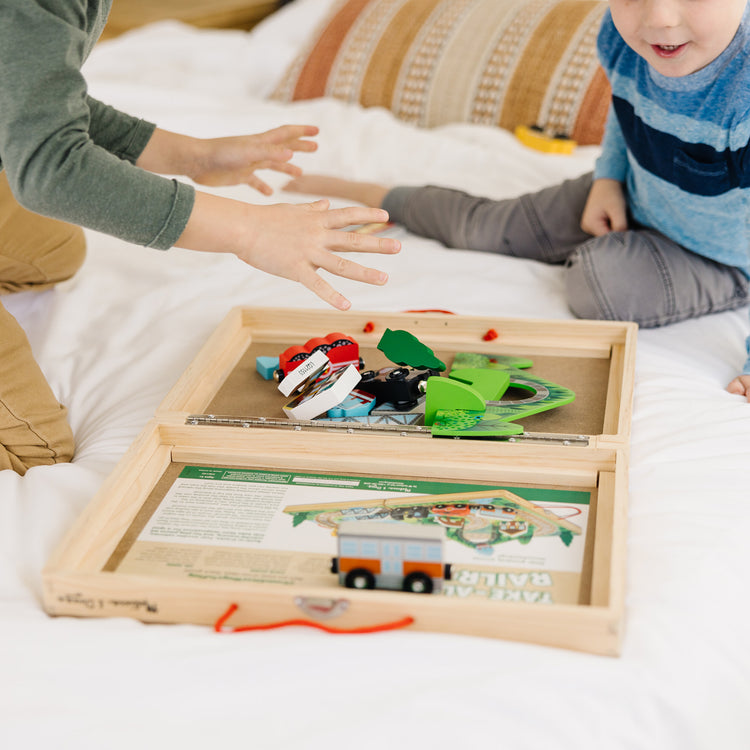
(433, 62)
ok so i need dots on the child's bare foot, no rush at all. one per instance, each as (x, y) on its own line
(367, 193)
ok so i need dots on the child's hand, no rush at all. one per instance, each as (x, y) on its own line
(227, 161)
(235, 159)
(295, 240)
(741, 386)
(605, 210)
(290, 240)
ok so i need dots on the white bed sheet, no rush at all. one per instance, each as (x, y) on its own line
(115, 338)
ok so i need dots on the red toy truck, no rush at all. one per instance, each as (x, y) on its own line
(341, 350)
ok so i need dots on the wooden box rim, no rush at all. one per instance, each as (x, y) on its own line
(74, 583)
(613, 340)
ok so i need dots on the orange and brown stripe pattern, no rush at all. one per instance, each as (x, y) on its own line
(432, 62)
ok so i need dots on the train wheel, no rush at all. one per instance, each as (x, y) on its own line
(359, 578)
(418, 583)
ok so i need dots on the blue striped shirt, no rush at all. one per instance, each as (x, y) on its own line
(681, 146)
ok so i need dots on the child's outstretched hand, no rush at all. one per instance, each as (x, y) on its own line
(291, 240)
(741, 386)
(235, 159)
(232, 160)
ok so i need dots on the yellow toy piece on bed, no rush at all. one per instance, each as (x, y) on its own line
(534, 137)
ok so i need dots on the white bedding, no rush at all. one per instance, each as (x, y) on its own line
(115, 338)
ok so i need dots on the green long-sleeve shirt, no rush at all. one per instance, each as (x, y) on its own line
(65, 154)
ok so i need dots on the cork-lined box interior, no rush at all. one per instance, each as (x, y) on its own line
(594, 359)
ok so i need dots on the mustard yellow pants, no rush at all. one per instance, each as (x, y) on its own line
(35, 253)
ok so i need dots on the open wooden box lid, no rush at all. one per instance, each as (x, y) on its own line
(595, 359)
(111, 564)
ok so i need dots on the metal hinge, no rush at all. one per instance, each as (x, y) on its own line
(379, 426)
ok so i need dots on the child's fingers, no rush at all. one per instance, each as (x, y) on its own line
(247, 175)
(595, 223)
(338, 266)
(270, 158)
(357, 242)
(248, 172)
(300, 145)
(252, 179)
(319, 205)
(345, 217)
(618, 220)
(285, 167)
(348, 269)
(289, 132)
(319, 286)
(344, 268)
(292, 136)
(257, 184)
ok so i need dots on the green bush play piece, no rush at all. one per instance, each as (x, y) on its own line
(444, 394)
(491, 384)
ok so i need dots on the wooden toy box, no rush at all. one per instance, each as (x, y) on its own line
(221, 421)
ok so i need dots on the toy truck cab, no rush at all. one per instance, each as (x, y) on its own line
(404, 557)
(341, 350)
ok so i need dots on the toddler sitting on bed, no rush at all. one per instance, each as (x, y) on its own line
(69, 157)
(661, 231)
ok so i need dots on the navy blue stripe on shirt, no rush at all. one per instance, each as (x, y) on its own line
(696, 168)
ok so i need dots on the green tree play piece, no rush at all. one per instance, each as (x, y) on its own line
(449, 394)
(490, 384)
(405, 349)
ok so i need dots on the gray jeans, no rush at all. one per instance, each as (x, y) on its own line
(637, 275)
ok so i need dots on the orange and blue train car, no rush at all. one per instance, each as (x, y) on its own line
(388, 555)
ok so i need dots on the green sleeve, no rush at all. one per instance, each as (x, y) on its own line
(66, 155)
(121, 134)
